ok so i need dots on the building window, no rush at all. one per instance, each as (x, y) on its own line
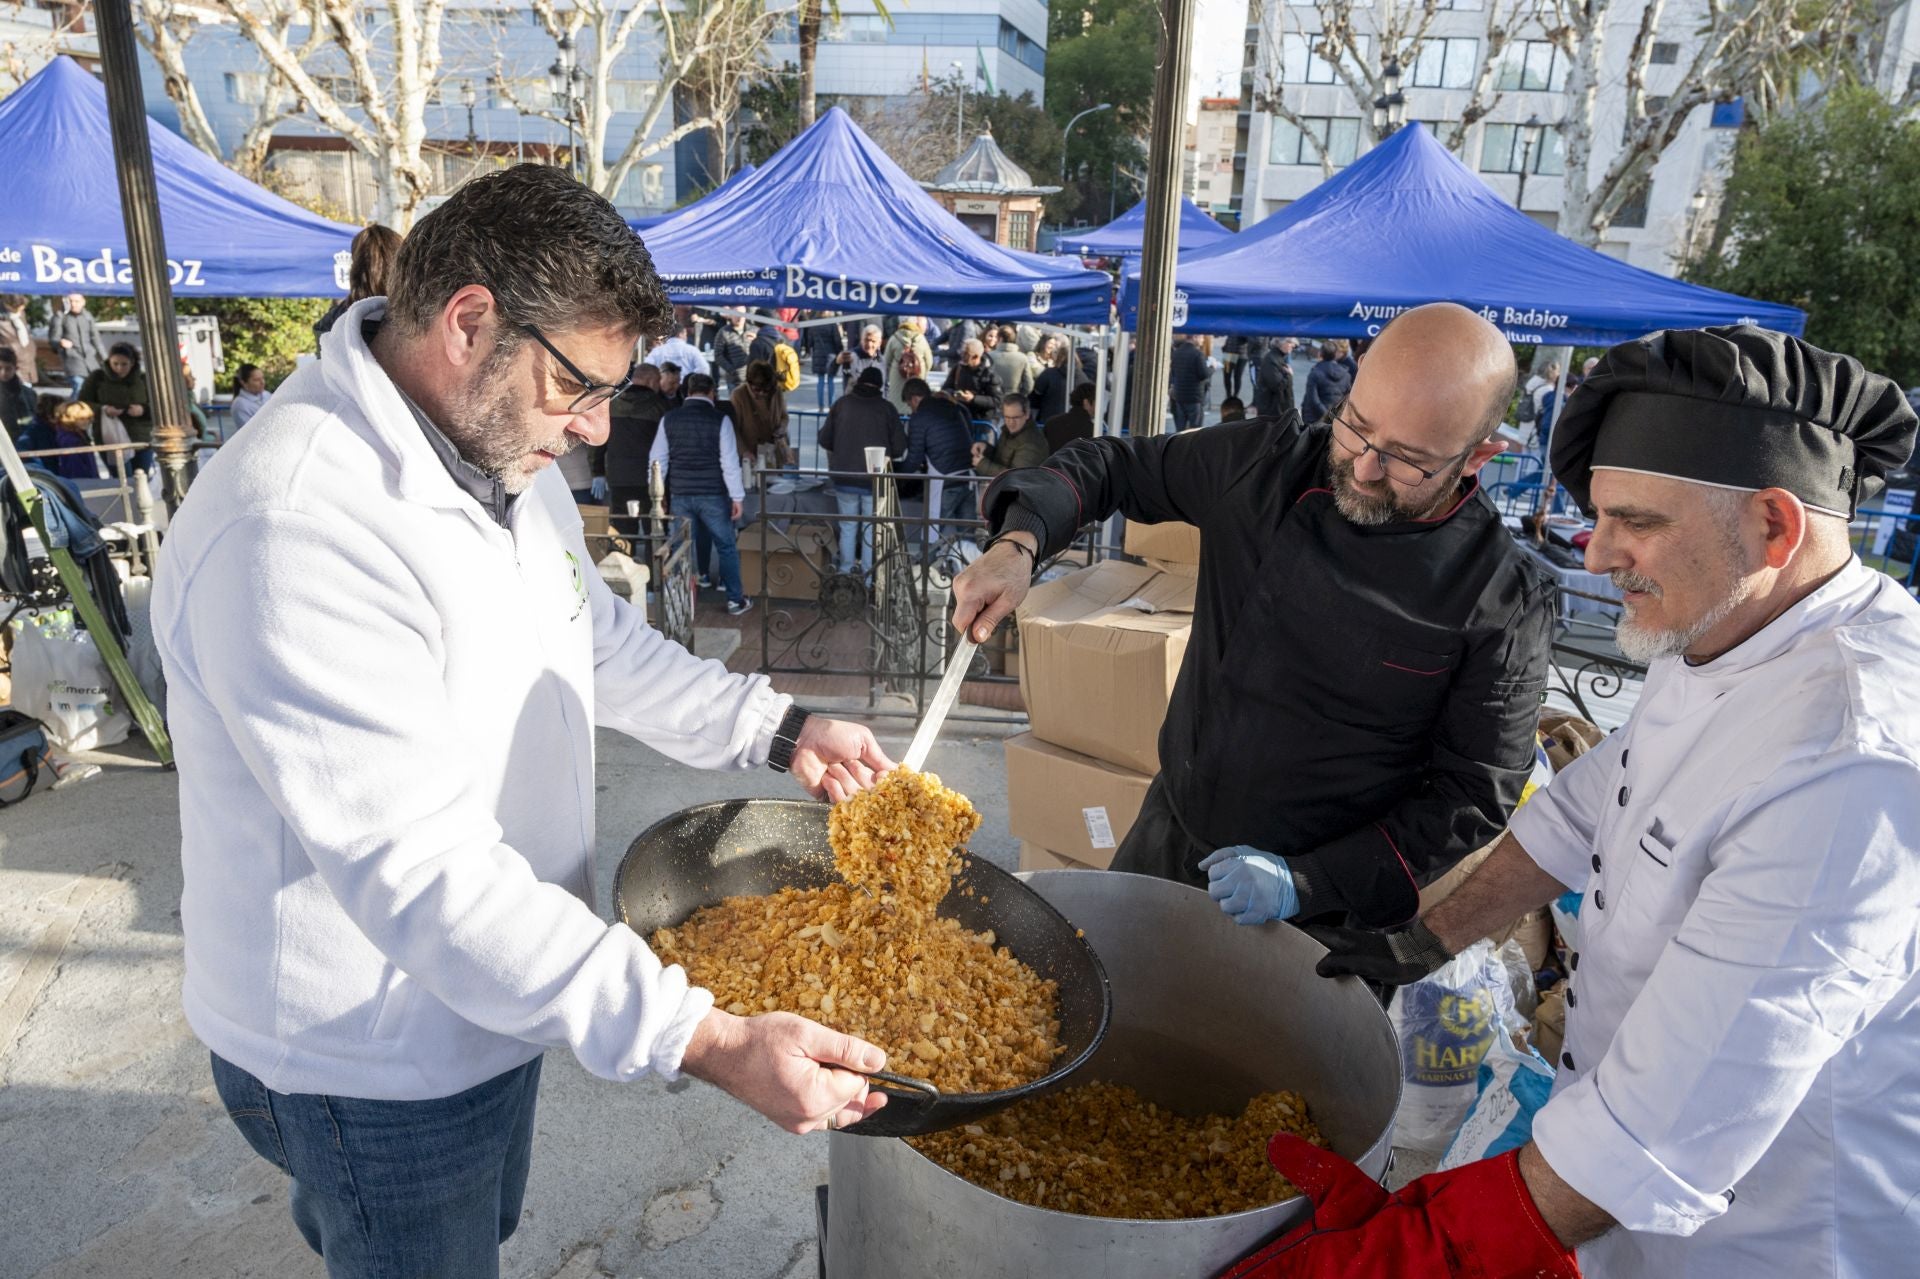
(1665, 53)
(249, 87)
(1016, 44)
(1532, 64)
(1656, 103)
(1340, 137)
(1299, 64)
(1020, 229)
(631, 95)
(856, 28)
(1445, 63)
(1504, 146)
(1633, 213)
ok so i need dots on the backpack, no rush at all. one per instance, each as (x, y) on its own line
(25, 755)
(786, 366)
(1526, 411)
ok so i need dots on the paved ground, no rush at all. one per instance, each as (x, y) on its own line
(120, 1164)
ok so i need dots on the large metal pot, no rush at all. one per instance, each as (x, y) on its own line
(1204, 1015)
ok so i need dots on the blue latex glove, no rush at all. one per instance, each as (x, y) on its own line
(1252, 887)
(598, 488)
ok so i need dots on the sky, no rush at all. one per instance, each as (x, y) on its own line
(1217, 32)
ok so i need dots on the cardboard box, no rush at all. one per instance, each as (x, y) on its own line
(1170, 547)
(1034, 857)
(791, 566)
(1068, 804)
(1099, 652)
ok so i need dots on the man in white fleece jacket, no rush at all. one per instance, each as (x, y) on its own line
(387, 651)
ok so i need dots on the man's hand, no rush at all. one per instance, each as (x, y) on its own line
(834, 758)
(796, 1072)
(990, 588)
(736, 511)
(1252, 887)
(66, 344)
(1477, 1221)
(1392, 959)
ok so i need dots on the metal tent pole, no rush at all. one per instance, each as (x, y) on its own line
(1161, 244)
(146, 246)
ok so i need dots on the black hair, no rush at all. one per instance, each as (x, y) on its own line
(697, 384)
(1085, 393)
(553, 253)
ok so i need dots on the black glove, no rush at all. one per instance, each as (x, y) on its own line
(1392, 959)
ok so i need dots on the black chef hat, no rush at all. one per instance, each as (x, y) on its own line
(1739, 407)
(870, 376)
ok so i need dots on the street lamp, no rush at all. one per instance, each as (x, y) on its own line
(1696, 205)
(1532, 127)
(567, 81)
(1390, 108)
(1104, 106)
(469, 97)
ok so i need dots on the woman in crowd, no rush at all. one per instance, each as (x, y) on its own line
(1056, 379)
(117, 391)
(760, 419)
(373, 252)
(249, 394)
(38, 435)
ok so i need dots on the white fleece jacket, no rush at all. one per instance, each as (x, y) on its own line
(383, 705)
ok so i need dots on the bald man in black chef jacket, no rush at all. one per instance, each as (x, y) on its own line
(1357, 707)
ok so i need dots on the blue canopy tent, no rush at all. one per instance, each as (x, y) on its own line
(733, 179)
(831, 223)
(1122, 237)
(1406, 224)
(61, 229)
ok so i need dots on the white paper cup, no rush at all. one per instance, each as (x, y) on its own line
(876, 459)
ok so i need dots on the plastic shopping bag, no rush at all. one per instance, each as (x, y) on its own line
(1447, 1023)
(61, 680)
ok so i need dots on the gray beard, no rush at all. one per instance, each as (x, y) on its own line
(1644, 644)
(475, 425)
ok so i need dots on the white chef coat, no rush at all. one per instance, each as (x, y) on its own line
(1741, 1082)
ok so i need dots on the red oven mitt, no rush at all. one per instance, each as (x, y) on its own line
(1473, 1222)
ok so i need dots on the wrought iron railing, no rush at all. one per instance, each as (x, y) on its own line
(882, 618)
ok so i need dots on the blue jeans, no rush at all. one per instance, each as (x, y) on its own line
(855, 542)
(713, 531)
(1188, 413)
(824, 387)
(425, 1189)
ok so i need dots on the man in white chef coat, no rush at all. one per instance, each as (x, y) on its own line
(1740, 1090)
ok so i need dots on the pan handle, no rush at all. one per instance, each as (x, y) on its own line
(904, 1087)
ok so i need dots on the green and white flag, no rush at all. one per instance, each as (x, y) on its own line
(986, 75)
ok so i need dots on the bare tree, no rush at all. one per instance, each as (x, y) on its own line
(21, 57)
(1357, 38)
(164, 30)
(716, 76)
(378, 104)
(684, 34)
(1757, 48)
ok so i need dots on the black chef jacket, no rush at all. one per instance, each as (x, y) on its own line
(1360, 700)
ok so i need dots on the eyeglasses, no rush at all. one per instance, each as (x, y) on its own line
(593, 394)
(1348, 437)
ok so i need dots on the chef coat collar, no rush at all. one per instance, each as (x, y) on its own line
(1838, 596)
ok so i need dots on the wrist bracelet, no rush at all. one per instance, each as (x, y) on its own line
(1008, 537)
(786, 739)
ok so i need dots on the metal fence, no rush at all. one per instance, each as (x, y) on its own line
(863, 589)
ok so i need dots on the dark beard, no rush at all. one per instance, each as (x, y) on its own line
(1357, 506)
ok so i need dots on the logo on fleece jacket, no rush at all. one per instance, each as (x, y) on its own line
(579, 585)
